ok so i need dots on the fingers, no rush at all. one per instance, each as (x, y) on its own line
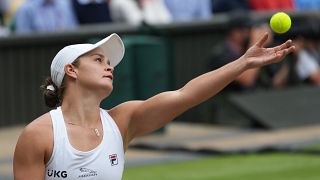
(285, 45)
(282, 53)
(284, 49)
(289, 49)
(292, 49)
(262, 40)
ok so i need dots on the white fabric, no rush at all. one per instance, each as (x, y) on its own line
(155, 12)
(112, 47)
(306, 65)
(51, 88)
(4, 31)
(125, 11)
(67, 162)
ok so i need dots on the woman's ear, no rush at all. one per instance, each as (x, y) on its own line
(70, 71)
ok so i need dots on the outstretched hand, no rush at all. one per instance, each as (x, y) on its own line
(258, 56)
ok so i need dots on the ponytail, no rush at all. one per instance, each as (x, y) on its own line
(51, 93)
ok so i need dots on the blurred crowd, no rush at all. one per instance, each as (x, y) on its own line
(28, 16)
(24, 16)
(301, 67)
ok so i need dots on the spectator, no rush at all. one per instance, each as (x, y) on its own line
(241, 35)
(188, 10)
(3, 9)
(125, 11)
(92, 11)
(45, 16)
(11, 9)
(235, 44)
(223, 6)
(3, 5)
(271, 5)
(155, 12)
(307, 4)
(308, 60)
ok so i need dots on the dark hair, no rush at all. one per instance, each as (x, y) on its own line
(53, 98)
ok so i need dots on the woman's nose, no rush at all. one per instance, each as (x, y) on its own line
(109, 68)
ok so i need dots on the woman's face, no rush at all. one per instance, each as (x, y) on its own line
(94, 72)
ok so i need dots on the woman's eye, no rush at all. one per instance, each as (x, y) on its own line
(99, 59)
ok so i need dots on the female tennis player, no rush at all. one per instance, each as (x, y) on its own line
(79, 140)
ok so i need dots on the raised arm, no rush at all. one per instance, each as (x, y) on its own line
(146, 116)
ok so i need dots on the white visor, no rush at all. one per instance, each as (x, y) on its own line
(112, 47)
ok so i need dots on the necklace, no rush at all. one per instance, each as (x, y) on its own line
(96, 130)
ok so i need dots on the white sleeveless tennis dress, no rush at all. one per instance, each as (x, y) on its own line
(105, 162)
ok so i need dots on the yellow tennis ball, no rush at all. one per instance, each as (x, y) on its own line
(280, 22)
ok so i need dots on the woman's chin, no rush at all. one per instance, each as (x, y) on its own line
(107, 89)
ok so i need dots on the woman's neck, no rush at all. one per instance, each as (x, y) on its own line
(84, 111)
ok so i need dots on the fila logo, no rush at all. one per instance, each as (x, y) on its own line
(113, 159)
(57, 174)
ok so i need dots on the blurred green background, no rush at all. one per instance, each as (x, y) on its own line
(275, 166)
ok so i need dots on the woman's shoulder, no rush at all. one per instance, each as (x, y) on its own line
(122, 114)
(36, 139)
(125, 109)
(41, 122)
(39, 129)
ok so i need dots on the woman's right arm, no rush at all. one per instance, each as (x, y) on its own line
(29, 155)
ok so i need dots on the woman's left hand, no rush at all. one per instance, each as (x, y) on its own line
(257, 55)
